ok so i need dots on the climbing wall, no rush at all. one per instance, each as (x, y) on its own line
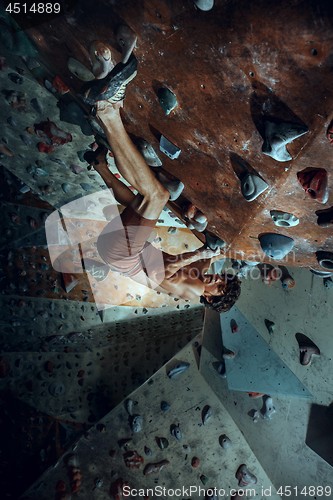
(172, 432)
(239, 72)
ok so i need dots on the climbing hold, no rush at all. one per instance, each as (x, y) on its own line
(148, 153)
(86, 187)
(37, 106)
(129, 405)
(252, 186)
(286, 279)
(155, 467)
(56, 389)
(228, 354)
(329, 133)
(203, 479)
(204, 4)
(178, 369)
(136, 423)
(147, 451)
(79, 70)
(165, 406)
(101, 57)
(176, 432)
(168, 148)
(278, 135)
(224, 441)
(322, 274)
(195, 462)
(213, 242)
(6, 151)
(126, 39)
(206, 414)
(328, 282)
(233, 326)
(132, 459)
(221, 369)
(174, 187)
(15, 78)
(196, 219)
(268, 409)
(76, 169)
(307, 349)
(60, 86)
(244, 476)
(284, 219)
(255, 395)
(325, 217)
(276, 246)
(162, 442)
(66, 187)
(12, 122)
(270, 325)
(325, 259)
(314, 182)
(16, 99)
(167, 100)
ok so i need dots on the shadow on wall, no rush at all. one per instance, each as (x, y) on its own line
(319, 435)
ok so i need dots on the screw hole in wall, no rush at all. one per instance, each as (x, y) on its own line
(314, 52)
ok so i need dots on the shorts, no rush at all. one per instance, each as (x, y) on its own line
(124, 247)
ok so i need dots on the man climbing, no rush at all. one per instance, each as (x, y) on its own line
(123, 245)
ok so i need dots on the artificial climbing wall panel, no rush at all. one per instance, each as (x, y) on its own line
(196, 458)
(279, 442)
(231, 69)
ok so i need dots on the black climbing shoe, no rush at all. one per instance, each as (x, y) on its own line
(112, 88)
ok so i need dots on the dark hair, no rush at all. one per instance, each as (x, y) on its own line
(222, 303)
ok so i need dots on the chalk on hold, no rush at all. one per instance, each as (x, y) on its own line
(276, 246)
(204, 5)
(278, 135)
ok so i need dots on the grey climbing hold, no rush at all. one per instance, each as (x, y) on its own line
(284, 219)
(244, 476)
(66, 187)
(126, 39)
(178, 369)
(168, 148)
(148, 152)
(162, 442)
(325, 217)
(225, 442)
(165, 406)
(268, 409)
(129, 405)
(15, 78)
(278, 135)
(213, 242)
(167, 100)
(86, 187)
(328, 282)
(56, 389)
(204, 5)
(322, 274)
(176, 432)
(136, 423)
(206, 414)
(174, 187)
(252, 186)
(307, 349)
(325, 259)
(37, 106)
(147, 451)
(270, 325)
(276, 246)
(80, 70)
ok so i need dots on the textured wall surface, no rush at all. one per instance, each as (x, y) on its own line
(230, 68)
